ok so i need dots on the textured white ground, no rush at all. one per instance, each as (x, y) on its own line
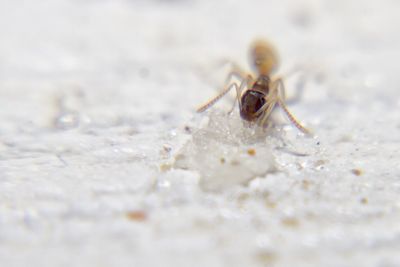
(104, 163)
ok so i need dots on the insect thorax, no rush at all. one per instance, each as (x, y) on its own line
(262, 84)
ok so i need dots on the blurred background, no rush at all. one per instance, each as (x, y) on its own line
(133, 53)
(92, 90)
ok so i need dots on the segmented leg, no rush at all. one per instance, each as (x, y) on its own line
(281, 88)
(268, 112)
(292, 118)
(266, 109)
(236, 71)
(243, 84)
(299, 87)
(212, 101)
(270, 102)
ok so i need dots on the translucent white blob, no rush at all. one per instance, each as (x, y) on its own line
(226, 152)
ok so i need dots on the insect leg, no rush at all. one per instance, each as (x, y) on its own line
(270, 102)
(281, 88)
(212, 101)
(239, 90)
(236, 72)
(267, 108)
(300, 83)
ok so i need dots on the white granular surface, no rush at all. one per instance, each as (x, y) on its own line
(103, 161)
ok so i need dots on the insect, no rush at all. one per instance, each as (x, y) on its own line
(257, 98)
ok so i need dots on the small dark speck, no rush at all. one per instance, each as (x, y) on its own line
(318, 143)
(357, 172)
(167, 148)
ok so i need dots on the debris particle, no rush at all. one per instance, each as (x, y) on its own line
(364, 200)
(266, 257)
(251, 151)
(66, 120)
(290, 222)
(270, 204)
(167, 148)
(137, 215)
(319, 164)
(357, 172)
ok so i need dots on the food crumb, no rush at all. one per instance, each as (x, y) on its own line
(357, 172)
(137, 215)
(290, 222)
(251, 151)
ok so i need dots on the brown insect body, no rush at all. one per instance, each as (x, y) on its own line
(254, 99)
(263, 94)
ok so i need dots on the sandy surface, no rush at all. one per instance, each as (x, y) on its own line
(97, 103)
